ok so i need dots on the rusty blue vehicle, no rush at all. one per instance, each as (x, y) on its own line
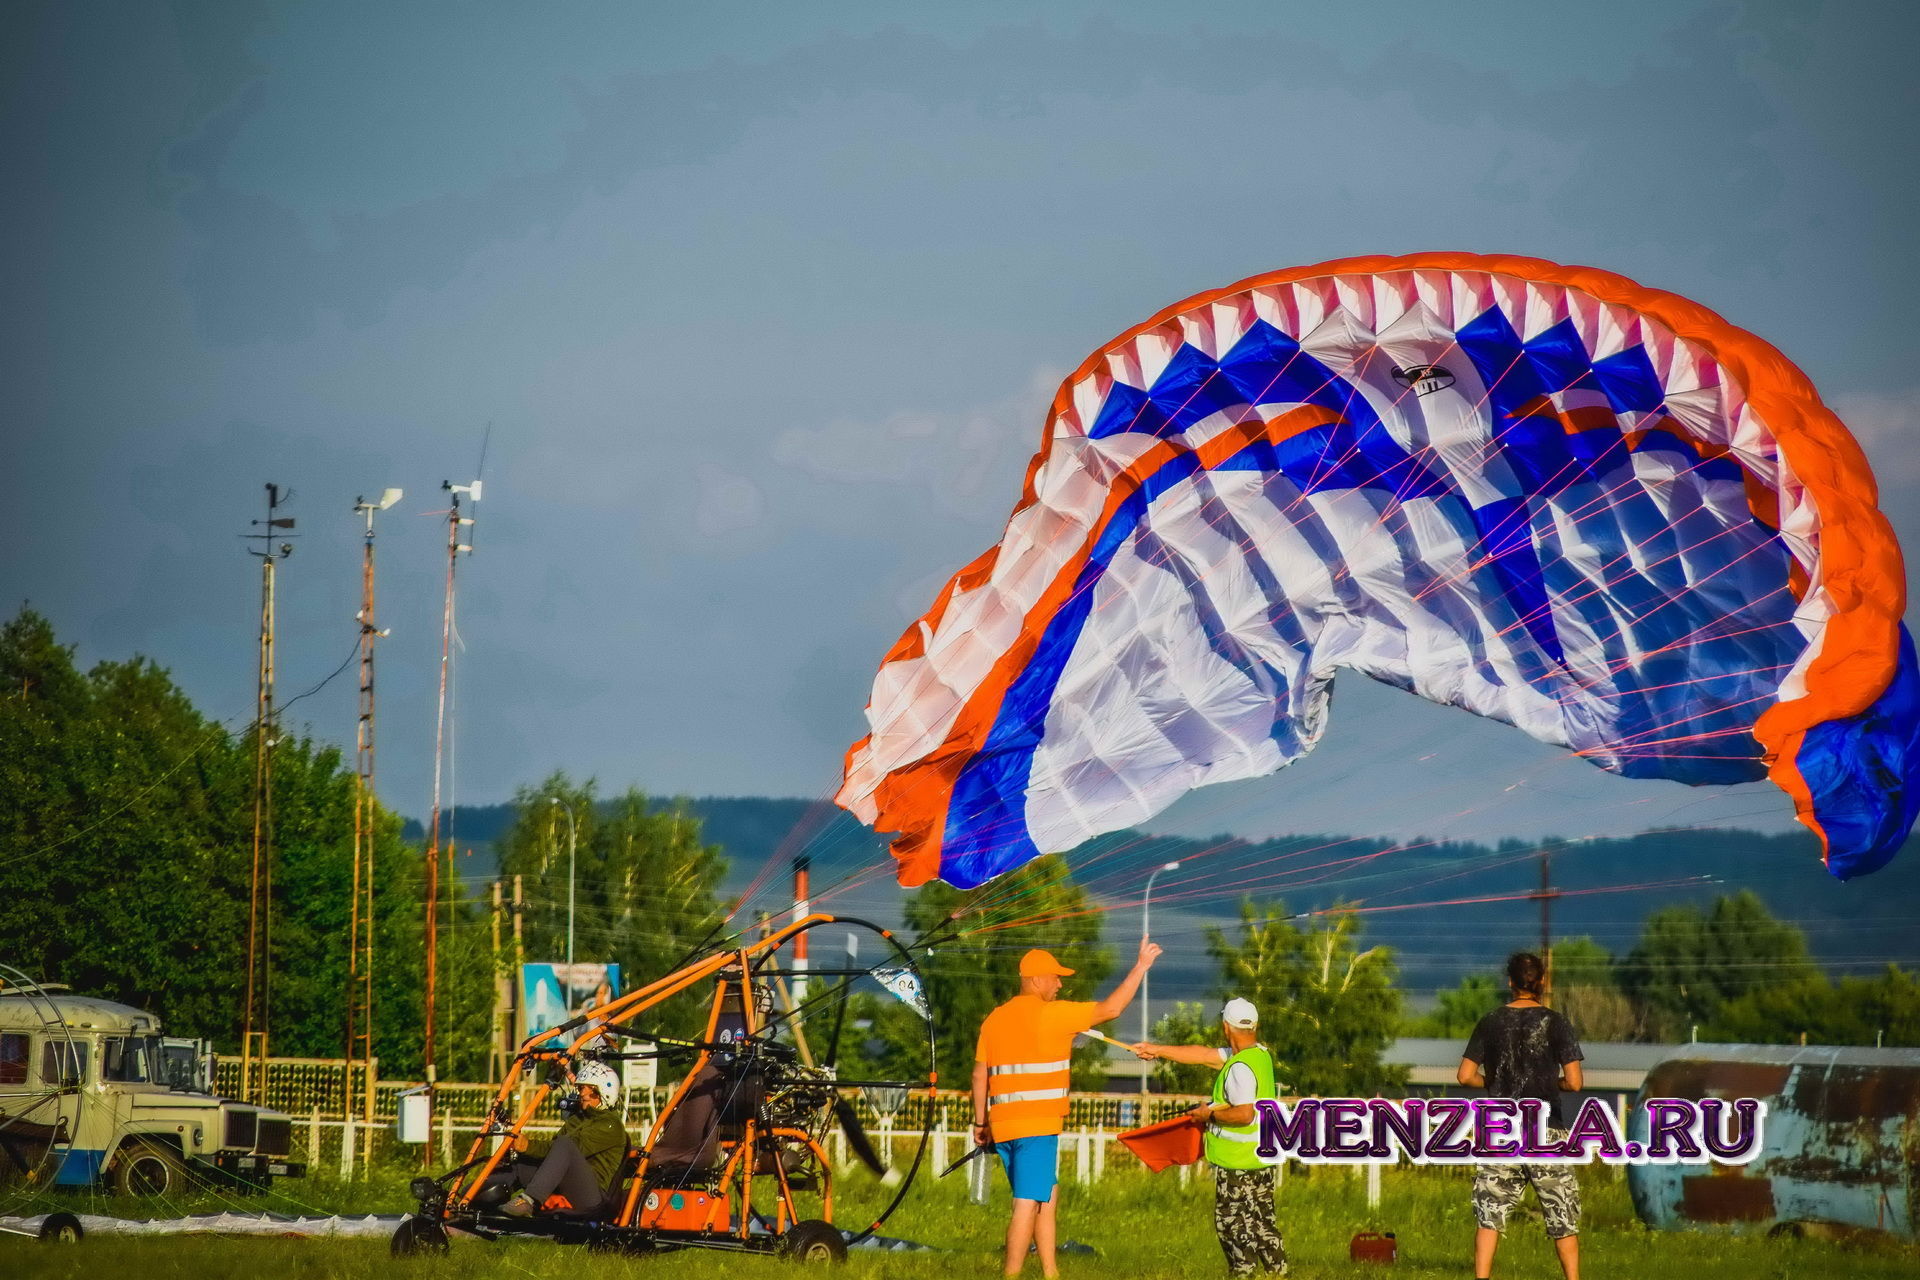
(1841, 1150)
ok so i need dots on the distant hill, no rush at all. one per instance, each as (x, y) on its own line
(1854, 927)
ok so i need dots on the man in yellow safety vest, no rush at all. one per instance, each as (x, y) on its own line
(1242, 1182)
(1021, 1073)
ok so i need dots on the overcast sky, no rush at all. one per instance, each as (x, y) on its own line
(765, 305)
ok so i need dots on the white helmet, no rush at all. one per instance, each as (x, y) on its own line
(603, 1078)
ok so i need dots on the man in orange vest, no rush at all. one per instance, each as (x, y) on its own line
(1020, 1077)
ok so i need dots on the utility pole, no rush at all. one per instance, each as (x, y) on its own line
(255, 1021)
(360, 907)
(1146, 918)
(497, 1032)
(455, 524)
(1546, 897)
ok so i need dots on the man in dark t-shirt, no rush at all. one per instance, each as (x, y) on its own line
(1525, 1050)
(1521, 1050)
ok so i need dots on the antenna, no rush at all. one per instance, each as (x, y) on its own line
(360, 911)
(458, 525)
(274, 537)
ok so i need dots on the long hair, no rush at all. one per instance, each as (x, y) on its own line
(1526, 974)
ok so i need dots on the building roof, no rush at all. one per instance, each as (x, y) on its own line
(1784, 1055)
(1609, 1066)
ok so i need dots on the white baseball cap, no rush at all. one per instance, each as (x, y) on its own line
(1240, 1013)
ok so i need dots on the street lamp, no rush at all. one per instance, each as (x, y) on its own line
(1146, 906)
(572, 840)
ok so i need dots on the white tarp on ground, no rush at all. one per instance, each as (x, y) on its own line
(373, 1226)
(223, 1224)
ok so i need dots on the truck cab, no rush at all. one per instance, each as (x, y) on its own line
(92, 1094)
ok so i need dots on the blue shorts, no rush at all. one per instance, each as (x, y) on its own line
(1032, 1165)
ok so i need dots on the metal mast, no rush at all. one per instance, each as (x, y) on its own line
(255, 1020)
(455, 522)
(360, 911)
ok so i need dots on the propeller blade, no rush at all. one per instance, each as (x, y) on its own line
(832, 1057)
(857, 1135)
(974, 1154)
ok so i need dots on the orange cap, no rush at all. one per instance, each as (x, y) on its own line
(1040, 964)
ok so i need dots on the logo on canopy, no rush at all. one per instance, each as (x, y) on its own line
(1423, 379)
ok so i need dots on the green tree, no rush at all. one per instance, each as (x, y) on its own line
(1587, 992)
(1189, 1023)
(978, 937)
(1689, 963)
(1327, 1009)
(126, 854)
(121, 852)
(645, 887)
(1883, 1009)
(1459, 1008)
(1581, 962)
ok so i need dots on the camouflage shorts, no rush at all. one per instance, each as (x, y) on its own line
(1243, 1219)
(1497, 1188)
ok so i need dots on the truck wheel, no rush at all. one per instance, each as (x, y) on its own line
(416, 1236)
(147, 1169)
(814, 1241)
(61, 1228)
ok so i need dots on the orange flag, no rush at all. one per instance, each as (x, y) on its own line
(1175, 1141)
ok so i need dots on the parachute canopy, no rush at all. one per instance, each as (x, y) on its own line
(1593, 511)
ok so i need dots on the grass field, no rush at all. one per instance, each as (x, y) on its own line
(1139, 1224)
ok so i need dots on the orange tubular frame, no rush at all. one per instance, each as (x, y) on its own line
(619, 1010)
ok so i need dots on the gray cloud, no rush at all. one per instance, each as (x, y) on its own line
(767, 306)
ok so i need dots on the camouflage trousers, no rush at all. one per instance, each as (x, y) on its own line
(1243, 1219)
(1497, 1188)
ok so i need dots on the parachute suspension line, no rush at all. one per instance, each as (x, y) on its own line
(1707, 627)
(1005, 893)
(992, 909)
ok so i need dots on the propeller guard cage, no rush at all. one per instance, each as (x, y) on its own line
(761, 1138)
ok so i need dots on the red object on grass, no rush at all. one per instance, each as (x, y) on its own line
(1175, 1141)
(1373, 1246)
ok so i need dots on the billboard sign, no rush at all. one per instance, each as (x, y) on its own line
(552, 993)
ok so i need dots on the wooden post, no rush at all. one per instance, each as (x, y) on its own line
(1083, 1157)
(313, 1138)
(516, 1027)
(367, 1114)
(1373, 1184)
(346, 1147)
(1620, 1114)
(497, 1026)
(446, 1135)
(1099, 1153)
